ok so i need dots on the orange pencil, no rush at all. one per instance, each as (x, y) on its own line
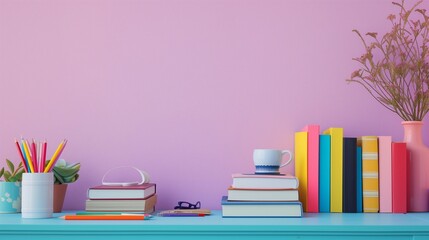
(103, 217)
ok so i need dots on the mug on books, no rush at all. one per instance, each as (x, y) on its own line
(269, 161)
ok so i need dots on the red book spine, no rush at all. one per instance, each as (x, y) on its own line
(399, 177)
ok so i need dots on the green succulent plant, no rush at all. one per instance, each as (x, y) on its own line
(65, 172)
(13, 174)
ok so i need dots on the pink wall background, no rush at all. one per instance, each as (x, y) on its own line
(182, 89)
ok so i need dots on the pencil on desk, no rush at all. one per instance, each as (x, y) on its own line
(112, 213)
(201, 211)
(181, 214)
(103, 217)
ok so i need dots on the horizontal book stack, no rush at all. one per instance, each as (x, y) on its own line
(262, 195)
(355, 174)
(137, 198)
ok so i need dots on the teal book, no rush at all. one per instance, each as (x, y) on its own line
(282, 209)
(324, 173)
(359, 195)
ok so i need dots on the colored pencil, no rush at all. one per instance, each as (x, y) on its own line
(181, 214)
(39, 157)
(27, 153)
(34, 154)
(200, 211)
(55, 156)
(25, 156)
(44, 147)
(112, 213)
(61, 151)
(103, 217)
(24, 164)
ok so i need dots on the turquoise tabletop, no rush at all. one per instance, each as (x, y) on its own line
(311, 226)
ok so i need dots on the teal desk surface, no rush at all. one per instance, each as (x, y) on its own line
(311, 226)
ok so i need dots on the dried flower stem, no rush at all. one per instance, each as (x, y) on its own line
(395, 68)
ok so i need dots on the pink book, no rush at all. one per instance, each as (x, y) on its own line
(399, 177)
(313, 168)
(385, 171)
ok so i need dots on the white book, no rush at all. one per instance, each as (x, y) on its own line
(238, 194)
(260, 209)
(264, 181)
(122, 192)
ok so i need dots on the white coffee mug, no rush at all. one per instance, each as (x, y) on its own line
(269, 161)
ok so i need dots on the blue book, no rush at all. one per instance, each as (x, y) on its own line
(359, 195)
(260, 208)
(324, 173)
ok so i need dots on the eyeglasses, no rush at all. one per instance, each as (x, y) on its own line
(188, 205)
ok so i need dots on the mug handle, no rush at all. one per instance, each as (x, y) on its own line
(290, 157)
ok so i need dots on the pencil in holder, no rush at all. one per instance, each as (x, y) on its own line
(37, 195)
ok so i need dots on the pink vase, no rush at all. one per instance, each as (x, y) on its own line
(418, 167)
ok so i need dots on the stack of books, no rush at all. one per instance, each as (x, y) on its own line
(262, 195)
(137, 198)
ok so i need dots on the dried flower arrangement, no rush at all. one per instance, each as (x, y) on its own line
(395, 68)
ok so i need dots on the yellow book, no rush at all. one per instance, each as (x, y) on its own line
(301, 157)
(336, 168)
(370, 173)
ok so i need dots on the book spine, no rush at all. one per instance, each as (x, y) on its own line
(349, 175)
(370, 173)
(313, 168)
(336, 168)
(385, 155)
(301, 158)
(359, 196)
(325, 173)
(399, 177)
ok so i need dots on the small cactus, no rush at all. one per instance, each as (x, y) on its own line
(65, 173)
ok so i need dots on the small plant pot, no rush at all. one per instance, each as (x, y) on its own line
(10, 197)
(59, 196)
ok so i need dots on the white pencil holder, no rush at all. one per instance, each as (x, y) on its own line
(37, 195)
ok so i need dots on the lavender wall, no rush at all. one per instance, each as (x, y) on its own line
(183, 89)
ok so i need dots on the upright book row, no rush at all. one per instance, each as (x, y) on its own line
(350, 174)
